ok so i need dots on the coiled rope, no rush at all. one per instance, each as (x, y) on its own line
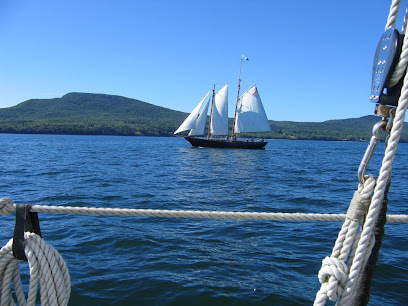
(46, 266)
(338, 280)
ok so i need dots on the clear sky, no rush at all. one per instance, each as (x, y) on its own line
(311, 60)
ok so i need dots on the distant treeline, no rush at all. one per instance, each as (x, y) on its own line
(99, 114)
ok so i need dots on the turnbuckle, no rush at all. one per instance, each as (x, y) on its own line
(381, 125)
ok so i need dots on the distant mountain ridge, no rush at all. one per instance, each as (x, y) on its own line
(85, 104)
(86, 113)
(102, 114)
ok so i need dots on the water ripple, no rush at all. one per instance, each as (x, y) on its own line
(169, 261)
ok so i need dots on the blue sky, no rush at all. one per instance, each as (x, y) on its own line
(311, 60)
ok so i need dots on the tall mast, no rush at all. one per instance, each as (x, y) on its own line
(211, 114)
(236, 105)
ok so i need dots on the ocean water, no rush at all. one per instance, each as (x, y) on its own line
(170, 261)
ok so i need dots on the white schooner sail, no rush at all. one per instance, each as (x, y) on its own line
(249, 117)
(219, 114)
(250, 114)
(195, 122)
(200, 123)
(191, 121)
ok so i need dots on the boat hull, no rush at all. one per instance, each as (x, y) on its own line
(221, 143)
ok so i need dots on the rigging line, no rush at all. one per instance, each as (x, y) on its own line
(401, 65)
(7, 206)
(364, 246)
(393, 14)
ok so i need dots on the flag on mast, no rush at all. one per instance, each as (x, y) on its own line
(244, 57)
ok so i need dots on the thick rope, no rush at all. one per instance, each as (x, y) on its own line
(401, 65)
(334, 270)
(46, 266)
(7, 207)
(404, 24)
(385, 172)
(392, 16)
(338, 280)
(382, 181)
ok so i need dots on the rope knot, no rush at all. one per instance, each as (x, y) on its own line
(6, 206)
(333, 276)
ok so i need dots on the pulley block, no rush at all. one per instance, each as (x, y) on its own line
(385, 59)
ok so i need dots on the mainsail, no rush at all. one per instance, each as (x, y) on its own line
(191, 120)
(250, 114)
(219, 113)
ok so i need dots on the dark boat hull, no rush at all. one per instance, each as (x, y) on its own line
(221, 143)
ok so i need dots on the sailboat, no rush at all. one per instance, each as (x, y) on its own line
(249, 117)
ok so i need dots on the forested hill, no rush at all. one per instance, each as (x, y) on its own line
(91, 114)
(100, 114)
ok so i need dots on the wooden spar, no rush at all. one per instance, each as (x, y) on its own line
(211, 114)
(236, 105)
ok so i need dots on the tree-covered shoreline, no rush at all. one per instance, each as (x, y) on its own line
(99, 114)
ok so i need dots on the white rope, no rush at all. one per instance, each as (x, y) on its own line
(403, 59)
(338, 280)
(392, 16)
(364, 244)
(7, 206)
(46, 266)
(334, 270)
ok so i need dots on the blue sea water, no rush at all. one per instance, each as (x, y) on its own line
(170, 261)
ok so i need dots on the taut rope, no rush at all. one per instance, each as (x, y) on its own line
(338, 280)
(7, 206)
